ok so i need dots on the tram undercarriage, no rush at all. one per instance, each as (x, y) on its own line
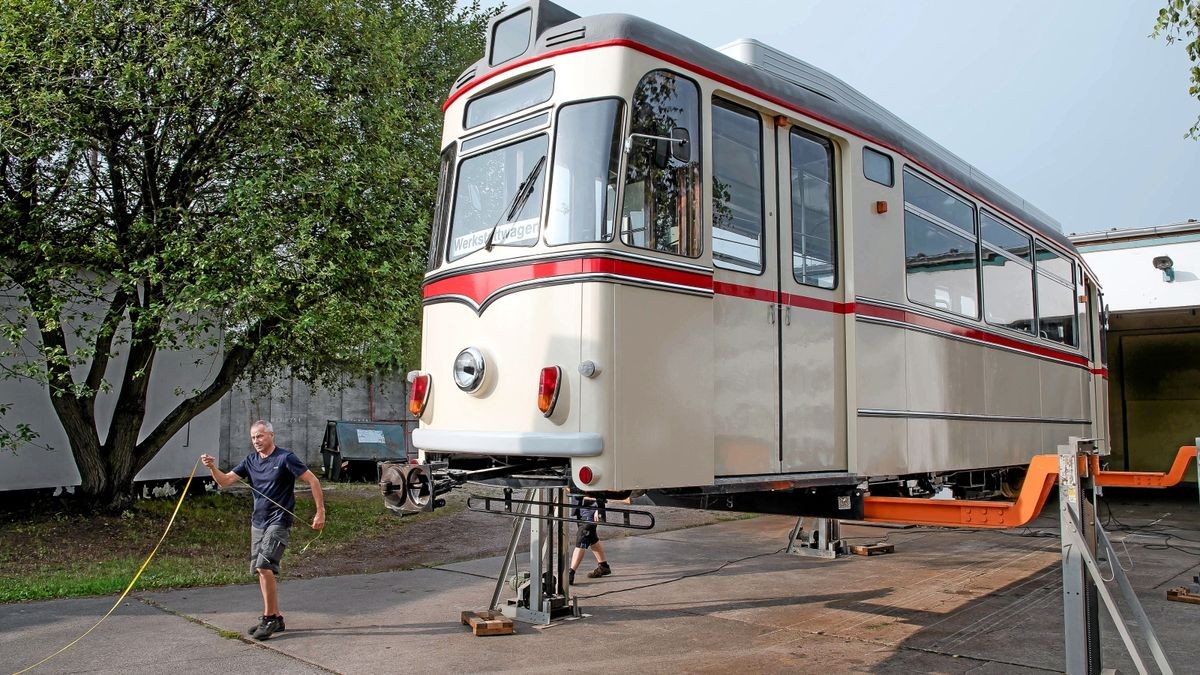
(414, 488)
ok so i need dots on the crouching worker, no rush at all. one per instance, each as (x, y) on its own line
(272, 472)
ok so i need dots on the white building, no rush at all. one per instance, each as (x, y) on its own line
(1151, 280)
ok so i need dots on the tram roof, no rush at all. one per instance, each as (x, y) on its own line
(780, 77)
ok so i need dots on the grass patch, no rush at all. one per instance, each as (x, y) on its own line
(55, 555)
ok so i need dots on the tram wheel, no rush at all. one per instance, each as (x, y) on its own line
(1011, 483)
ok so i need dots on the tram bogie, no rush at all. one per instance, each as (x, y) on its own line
(655, 266)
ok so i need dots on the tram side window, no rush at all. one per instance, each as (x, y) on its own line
(878, 167)
(1007, 275)
(939, 248)
(587, 160)
(737, 188)
(814, 262)
(1055, 296)
(661, 209)
(441, 209)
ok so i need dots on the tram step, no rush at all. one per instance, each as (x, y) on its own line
(872, 549)
(488, 623)
(1183, 594)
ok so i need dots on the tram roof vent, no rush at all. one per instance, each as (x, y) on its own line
(805, 75)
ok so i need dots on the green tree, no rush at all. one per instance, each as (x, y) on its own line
(1180, 20)
(254, 179)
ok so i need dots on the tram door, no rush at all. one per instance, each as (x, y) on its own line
(778, 341)
(812, 329)
(746, 285)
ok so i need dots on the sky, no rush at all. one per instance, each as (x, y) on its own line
(1068, 103)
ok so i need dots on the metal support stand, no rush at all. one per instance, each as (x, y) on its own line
(824, 541)
(544, 593)
(1082, 579)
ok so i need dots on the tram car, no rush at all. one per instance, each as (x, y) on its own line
(727, 275)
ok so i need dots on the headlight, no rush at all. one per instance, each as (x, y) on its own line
(468, 369)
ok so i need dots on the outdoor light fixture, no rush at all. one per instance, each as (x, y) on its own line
(1164, 263)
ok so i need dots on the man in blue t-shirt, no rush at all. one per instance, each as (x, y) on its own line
(272, 472)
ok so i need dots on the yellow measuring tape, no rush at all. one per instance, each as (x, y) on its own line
(150, 557)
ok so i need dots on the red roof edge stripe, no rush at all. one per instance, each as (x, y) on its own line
(631, 44)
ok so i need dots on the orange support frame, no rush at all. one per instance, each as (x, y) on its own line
(1145, 479)
(1039, 479)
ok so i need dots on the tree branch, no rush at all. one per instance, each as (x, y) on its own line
(104, 338)
(237, 360)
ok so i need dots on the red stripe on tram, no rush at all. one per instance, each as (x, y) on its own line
(914, 319)
(747, 292)
(479, 286)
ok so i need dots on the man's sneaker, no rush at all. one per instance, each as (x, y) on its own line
(570, 576)
(270, 626)
(602, 570)
(262, 621)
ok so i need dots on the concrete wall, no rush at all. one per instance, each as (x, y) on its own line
(299, 413)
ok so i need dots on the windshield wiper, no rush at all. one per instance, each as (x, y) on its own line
(524, 190)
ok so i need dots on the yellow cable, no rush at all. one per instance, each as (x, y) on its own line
(178, 504)
(150, 557)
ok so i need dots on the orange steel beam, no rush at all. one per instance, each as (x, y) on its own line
(1039, 480)
(1145, 479)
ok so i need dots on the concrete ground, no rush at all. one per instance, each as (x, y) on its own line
(719, 598)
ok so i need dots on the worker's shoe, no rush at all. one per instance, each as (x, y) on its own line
(602, 570)
(570, 576)
(267, 626)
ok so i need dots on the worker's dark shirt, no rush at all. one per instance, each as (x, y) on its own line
(275, 476)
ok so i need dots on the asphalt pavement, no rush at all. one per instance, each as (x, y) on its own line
(719, 598)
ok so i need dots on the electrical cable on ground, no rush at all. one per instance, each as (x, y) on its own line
(681, 578)
(183, 493)
(133, 581)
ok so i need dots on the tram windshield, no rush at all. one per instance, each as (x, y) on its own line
(498, 201)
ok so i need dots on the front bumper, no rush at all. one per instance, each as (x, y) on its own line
(509, 443)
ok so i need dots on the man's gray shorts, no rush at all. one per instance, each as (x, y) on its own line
(266, 547)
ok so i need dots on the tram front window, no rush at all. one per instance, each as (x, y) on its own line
(583, 185)
(498, 198)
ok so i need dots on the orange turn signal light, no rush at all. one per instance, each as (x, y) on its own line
(418, 396)
(548, 383)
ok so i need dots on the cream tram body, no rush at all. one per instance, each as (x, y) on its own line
(739, 279)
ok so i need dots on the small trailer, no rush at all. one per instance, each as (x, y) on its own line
(353, 450)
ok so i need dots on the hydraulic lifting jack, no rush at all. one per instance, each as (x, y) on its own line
(543, 593)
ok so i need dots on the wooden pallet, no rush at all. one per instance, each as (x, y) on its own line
(488, 623)
(1182, 594)
(872, 549)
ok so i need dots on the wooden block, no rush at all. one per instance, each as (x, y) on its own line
(872, 549)
(488, 623)
(1182, 594)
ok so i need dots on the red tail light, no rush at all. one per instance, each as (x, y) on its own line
(548, 389)
(585, 475)
(418, 396)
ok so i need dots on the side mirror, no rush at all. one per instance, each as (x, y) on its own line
(677, 146)
(662, 152)
(681, 145)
